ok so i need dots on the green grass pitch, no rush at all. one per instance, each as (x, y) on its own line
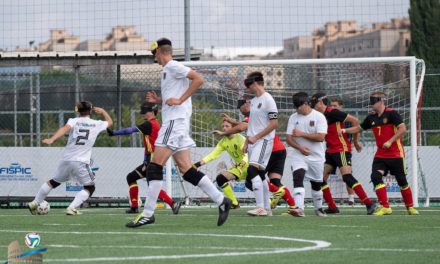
(100, 236)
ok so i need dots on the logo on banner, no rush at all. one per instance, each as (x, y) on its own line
(16, 172)
(391, 183)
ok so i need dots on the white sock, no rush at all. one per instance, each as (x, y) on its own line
(266, 195)
(351, 197)
(298, 195)
(209, 188)
(153, 191)
(42, 193)
(257, 188)
(80, 197)
(317, 199)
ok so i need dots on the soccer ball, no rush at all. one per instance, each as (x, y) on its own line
(43, 208)
(32, 240)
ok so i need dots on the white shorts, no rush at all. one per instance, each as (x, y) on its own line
(259, 153)
(174, 135)
(74, 169)
(314, 169)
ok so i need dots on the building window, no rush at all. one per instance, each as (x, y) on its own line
(318, 48)
(406, 43)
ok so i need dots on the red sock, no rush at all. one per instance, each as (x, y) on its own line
(357, 188)
(272, 187)
(163, 195)
(407, 196)
(134, 195)
(288, 197)
(328, 197)
(381, 192)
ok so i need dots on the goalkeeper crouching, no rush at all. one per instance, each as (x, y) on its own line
(233, 145)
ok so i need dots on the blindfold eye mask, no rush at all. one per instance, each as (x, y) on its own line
(375, 99)
(249, 81)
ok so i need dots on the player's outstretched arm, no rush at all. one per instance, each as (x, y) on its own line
(240, 127)
(121, 132)
(351, 130)
(61, 132)
(196, 82)
(104, 113)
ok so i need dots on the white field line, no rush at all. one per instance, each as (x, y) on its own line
(317, 244)
(345, 226)
(409, 250)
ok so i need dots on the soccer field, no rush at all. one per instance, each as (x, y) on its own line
(100, 235)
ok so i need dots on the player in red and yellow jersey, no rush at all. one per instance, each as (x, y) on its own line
(338, 153)
(149, 128)
(388, 129)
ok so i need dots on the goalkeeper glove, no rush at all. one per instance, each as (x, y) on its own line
(110, 132)
(197, 165)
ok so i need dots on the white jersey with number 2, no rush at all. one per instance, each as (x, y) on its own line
(82, 137)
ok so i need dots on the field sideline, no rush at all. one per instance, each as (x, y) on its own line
(99, 236)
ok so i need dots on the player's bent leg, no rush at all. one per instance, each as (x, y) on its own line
(223, 183)
(381, 192)
(41, 195)
(351, 182)
(154, 178)
(80, 198)
(133, 189)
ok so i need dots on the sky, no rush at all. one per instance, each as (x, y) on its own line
(214, 23)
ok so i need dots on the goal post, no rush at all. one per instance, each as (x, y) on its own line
(400, 77)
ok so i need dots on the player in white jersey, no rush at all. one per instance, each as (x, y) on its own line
(306, 130)
(174, 139)
(75, 160)
(263, 120)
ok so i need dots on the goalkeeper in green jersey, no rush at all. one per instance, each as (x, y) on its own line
(233, 145)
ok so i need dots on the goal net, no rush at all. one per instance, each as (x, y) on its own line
(351, 80)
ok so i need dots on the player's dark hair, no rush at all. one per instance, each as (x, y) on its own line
(300, 98)
(338, 100)
(83, 108)
(255, 76)
(319, 97)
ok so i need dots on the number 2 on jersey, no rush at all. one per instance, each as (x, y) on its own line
(84, 137)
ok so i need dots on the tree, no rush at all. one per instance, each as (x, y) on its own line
(425, 33)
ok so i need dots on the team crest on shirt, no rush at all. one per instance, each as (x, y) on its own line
(312, 123)
(259, 105)
(164, 75)
(385, 120)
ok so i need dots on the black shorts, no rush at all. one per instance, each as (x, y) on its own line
(141, 170)
(276, 162)
(338, 159)
(395, 166)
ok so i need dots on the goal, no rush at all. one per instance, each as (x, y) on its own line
(350, 79)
